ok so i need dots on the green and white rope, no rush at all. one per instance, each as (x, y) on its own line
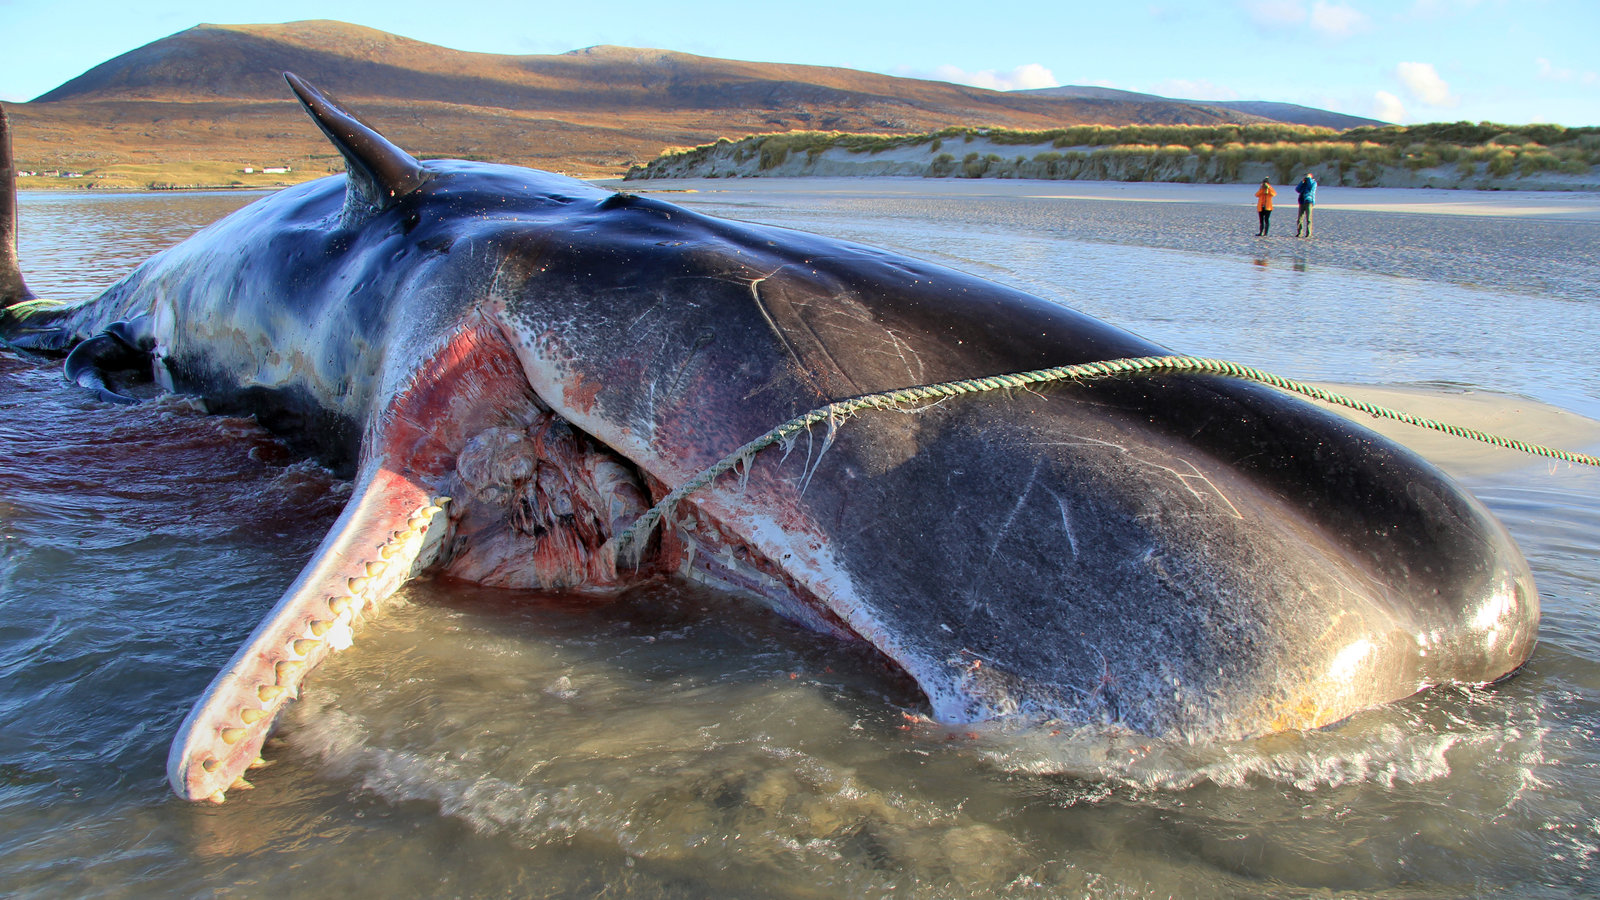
(843, 409)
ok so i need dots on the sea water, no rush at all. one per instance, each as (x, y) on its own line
(679, 744)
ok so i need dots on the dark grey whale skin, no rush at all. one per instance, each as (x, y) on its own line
(1194, 557)
(1188, 557)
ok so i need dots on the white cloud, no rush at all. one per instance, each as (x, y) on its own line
(1024, 77)
(1338, 21)
(1388, 107)
(1423, 83)
(1034, 75)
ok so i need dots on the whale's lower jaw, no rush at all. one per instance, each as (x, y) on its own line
(390, 529)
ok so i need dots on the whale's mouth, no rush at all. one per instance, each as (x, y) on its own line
(538, 502)
(472, 477)
(537, 506)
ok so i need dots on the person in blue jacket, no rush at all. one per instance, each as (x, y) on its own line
(1307, 189)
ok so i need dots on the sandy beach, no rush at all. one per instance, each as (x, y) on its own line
(1568, 206)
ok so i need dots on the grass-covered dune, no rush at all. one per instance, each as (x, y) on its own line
(1454, 155)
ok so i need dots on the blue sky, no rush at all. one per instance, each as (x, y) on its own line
(1398, 60)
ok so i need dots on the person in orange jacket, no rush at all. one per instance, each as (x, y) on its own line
(1264, 195)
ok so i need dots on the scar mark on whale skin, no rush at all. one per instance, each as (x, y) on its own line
(800, 367)
(999, 535)
(1194, 481)
(1066, 523)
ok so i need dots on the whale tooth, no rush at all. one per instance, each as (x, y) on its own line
(217, 797)
(376, 568)
(232, 735)
(304, 646)
(252, 716)
(269, 692)
(210, 765)
(319, 627)
(387, 551)
(240, 784)
(358, 584)
(258, 763)
(289, 672)
(338, 605)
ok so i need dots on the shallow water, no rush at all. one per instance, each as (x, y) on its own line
(677, 744)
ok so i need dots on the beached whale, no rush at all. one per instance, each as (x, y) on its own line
(512, 366)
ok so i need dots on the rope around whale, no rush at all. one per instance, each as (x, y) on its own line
(840, 410)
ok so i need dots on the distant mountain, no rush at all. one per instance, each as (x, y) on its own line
(215, 93)
(243, 62)
(1288, 113)
(1295, 114)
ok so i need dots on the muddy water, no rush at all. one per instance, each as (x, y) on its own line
(678, 744)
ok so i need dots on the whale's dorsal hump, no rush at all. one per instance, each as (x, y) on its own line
(380, 173)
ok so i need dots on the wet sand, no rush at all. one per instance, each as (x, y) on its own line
(1539, 243)
(1496, 414)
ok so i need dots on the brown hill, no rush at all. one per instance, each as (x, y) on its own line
(213, 95)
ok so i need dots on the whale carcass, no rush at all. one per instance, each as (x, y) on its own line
(513, 365)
